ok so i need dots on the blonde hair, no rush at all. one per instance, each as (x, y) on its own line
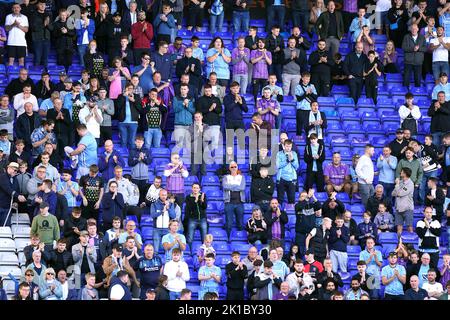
(209, 237)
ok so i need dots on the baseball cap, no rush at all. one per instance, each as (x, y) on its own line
(399, 131)
(62, 73)
(118, 247)
(13, 164)
(116, 14)
(68, 80)
(93, 99)
(442, 74)
(102, 88)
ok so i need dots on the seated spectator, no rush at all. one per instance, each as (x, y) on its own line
(129, 232)
(67, 285)
(203, 250)
(89, 292)
(60, 258)
(373, 70)
(50, 288)
(177, 273)
(434, 288)
(358, 23)
(445, 295)
(21, 99)
(355, 292)
(337, 176)
(73, 225)
(26, 123)
(384, 220)
(150, 267)
(415, 293)
(350, 223)
(46, 195)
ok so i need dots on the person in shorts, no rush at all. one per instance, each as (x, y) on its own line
(16, 24)
(404, 201)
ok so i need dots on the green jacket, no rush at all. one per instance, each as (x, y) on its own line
(416, 169)
(46, 227)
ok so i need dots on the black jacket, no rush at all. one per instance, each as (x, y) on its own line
(262, 189)
(373, 202)
(211, 118)
(323, 126)
(271, 44)
(38, 31)
(396, 148)
(59, 261)
(120, 104)
(8, 189)
(195, 210)
(251, 43)
(71, 223)
(327, 212)
(15, 86)
(320, 68)
(63, 127)
(63, 41)
(162, 293)
(23, 130)
(114, 32)
(323, 23)
(235, 279)
(355, 66)
(194, 76)
(310, 160)
(440, 118)
(436, 203)
(283, 218)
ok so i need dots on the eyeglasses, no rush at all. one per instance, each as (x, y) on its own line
(146, 58)
(29, 275)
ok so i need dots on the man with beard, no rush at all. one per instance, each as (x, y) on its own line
(321, 62)
(142, 34)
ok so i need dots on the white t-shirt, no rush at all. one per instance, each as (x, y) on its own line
(440, 53)
(383, 5)
(16, 37)
(433, 287)
(92, 125)
(117, 292)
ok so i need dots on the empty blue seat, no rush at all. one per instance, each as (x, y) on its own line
(218, 234)
(210, 180)
(343, 196)
(321, 196)
(213, 194)
(241, 247)
(388, 237)
(146, 220)
(365, 102)
(394, 77)
(221, 247)
(339, 140)
(326, 101)
(345, 152)
(353, 250)
(222, 261)
(352, 127)
(349, 115)
(359, 141)
(388, 248)
(238, 235)
(409, 237)
(340, 89)
(334, 127)
(331, 114)
(161, 152)
(379, 141)
(147, 233)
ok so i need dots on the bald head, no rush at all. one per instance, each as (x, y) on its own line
(109, 145)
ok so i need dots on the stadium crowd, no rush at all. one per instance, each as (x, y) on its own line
(77, 154)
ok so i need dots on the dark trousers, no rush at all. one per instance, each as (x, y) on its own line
(105, 134)
(417, 70)
(41, 49)
(300, 241)
(300, 116)
(372, 90)
(322, 83)
(61, 142)
(314, 177)
(179, 199)
(143, 188)
(89, 211)
(288, 187)
(258, 85)
(235, 124)
(64, 58)
(392, 297)
(233, 210)
(300, 19)
(195, 16)
(355, 85)
(279, 12)
(235, 294)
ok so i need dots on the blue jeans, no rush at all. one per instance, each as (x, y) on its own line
(300, 19)
(279, 12)
(423, 188)
(127, 134)
(231, 210)
(438, 67)
(365, 191)
(41, 50)
(192, 226)
(242, 79)
(157, 235)
(216, 21)
(174, 295)
(81, 51)
(241, 21)
(153, 138)
(437, 138)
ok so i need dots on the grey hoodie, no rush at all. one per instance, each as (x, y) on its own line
(404, 193)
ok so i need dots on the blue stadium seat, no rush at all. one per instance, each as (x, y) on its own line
(326, 101)
(241, 247)
(213, 194)
(218, 234)
(349, 116)
(388, 237)
(408, 237)
(239, 235)
(339, 140)
(353, 250)
(147, 233)
(221, 247)
(146, 220)
(334, 127)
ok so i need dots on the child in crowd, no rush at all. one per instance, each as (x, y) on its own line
(205, 249)
(384, 220)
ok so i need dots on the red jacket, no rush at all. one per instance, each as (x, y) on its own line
(141, 39)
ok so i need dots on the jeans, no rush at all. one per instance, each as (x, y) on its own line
(241, 21)
(157, 235)
(41, 50)
(300, 241)
(236, 210)
(127, 134)
(437, 138)
(216, 21)
(365, 191)
(290, 81)
(81, 51)
(300, 19)
(181, 136)
(273, 11)
(193, 224)
(153, 138)
(174, 295)
(339, 260)
(438, 67)
(333, 45)
(214, 133)
(417, 70)
(242, 79)
(423, 188)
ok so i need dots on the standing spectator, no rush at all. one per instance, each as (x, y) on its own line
(162, 61)
(316, 122)
(216, 15)
(16, 85)
(306, 94)
(142, 35)
(398, 145)
(404, 203)
(384, 220)
(138, 160)
(236, 273)
(6, 116)
(173, 240)
(162, 211)
(150, 120)
(398, 19)
(241, 15)
(234, 198)
(294, 61)
(183, 106)
(354, 66)
(128, 105)
(366, 229)
(240, 58)
(40, 34)
(274, 43)
(195, 13)
(287, 166)
(435, 198)
(356, 27)
(24, 97)
(177, 272)
(91, 190)
(92, 117)
(337, 244)
(192, 67)
(85, 33)
(317, 240)
(372, 71)
(25, 125)
(165, 24)
(260, 59)
(440, 46)
(429, 162)
(414, 47)
(374, 260)
(150, 267)
(429, 231)
(386, 164)
(365, 172)
(275, 8)
(321, 62)
(16, 24)
(330, 27)
(393, 276)
(218, 59)
(64, 35)
(409, 114)
(439, 111)
(234, 105)
(108, 160)
(209, 276)
(389, 58)
(175, 173)
(195, 214)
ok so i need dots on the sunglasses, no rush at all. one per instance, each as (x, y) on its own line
(29, 275)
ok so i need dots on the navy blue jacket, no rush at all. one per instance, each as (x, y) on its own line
(7, 189)
(339, 243)
(114, 281)
(233, 111)
(112, 207)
